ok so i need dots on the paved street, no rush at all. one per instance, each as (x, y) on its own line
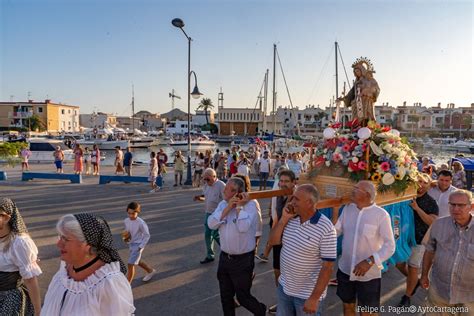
(182, 286)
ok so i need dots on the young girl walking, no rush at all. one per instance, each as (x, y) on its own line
(137, 235)
(153, 172)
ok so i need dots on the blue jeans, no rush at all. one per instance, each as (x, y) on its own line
(293, 306)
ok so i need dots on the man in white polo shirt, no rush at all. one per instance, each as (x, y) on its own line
(264, 167)
(368, 241)
(307, 256)
(440, 193)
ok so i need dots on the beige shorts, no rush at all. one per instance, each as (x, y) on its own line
(416, 256)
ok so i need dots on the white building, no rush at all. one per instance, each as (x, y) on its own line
(98, 120)
(200, 118)
(240, 121)
(179, 127)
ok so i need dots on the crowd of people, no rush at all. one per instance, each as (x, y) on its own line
(304, 246)
(92, 278)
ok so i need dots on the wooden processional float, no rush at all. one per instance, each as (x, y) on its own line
(335, 192)
(368, 150)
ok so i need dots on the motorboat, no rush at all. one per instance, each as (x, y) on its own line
(440, 144)
(200, 144)
(42, 150)
(461, 146)
(103, 144)
(162, 140)
(141, 142)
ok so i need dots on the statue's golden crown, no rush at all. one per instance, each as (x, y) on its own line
(364, 61)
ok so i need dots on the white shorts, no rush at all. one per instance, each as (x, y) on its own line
(135, 254)
(416, 256)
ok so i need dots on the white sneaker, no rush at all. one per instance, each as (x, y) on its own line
(152, 191)
(148, 276)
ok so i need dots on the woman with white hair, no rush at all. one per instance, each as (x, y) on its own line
(19, 290)
(459, 175)
(91, 278)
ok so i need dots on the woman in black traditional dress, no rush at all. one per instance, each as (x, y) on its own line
(19, 269)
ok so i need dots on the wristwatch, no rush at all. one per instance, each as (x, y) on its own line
(370, 261)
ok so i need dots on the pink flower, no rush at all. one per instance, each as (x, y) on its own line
(362, 165)
(346, 147)
(336, 157)
(385, 166)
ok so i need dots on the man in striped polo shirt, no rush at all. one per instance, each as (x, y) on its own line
(307, 256)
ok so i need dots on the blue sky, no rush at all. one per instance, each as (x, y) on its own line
(88, 53)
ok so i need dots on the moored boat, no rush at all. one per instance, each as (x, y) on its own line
(196, 145)
(42, 150)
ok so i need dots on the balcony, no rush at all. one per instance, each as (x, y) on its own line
(20, 115)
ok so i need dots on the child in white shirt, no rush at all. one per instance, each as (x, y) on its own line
(136, 234)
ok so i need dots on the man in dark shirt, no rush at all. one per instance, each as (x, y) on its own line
(425, 213)
(127, 162)
(287, 180)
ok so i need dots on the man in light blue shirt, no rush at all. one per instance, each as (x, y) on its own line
(237, 224)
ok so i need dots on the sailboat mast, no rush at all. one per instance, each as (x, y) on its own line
(265, 94)
(337, 80)
(133, 109)
(274, 92)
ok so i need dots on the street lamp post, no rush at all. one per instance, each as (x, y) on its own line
(195, 94)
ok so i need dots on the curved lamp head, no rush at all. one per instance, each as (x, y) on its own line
(196, 94)
(178, 23)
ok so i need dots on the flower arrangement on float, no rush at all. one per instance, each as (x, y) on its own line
(375, 152)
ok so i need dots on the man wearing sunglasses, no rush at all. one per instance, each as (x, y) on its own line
(450, 257)
(213, 194)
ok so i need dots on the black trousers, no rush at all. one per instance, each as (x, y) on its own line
(235, 278)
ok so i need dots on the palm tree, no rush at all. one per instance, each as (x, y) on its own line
(206, 105)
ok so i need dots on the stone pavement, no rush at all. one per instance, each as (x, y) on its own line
(182, 285)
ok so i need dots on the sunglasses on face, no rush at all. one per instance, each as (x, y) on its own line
(453, 205)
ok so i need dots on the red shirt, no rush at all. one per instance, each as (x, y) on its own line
(233, 168)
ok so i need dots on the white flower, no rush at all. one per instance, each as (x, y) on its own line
(361, 141)
(375, 149)
(355, 159)
(396, 152)
(328, 163)
(402, 172)
(388, 179)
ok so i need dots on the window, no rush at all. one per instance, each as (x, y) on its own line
(69, 111)
(40, 109)
(62, 111)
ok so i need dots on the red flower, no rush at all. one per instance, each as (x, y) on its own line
(354, 123)
(331, 143)
(385, 166)
(386, 128)
(346, 147)
(319, 161)
(336, 125)
(362, 165)
(353, 166)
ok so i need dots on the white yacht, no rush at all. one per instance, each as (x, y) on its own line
(42, 150)
(461, 146)
(201, 144)
(103, 144)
